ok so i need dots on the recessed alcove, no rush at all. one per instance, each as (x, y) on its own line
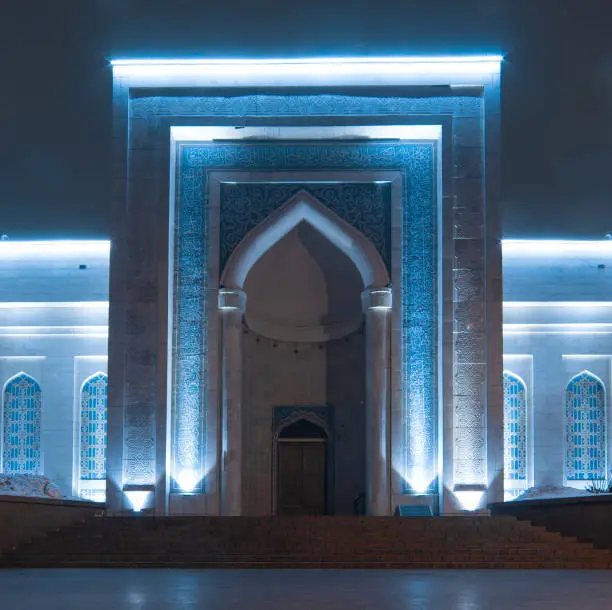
(304, 289)
(304, 347)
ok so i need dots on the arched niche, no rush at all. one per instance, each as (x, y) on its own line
(303, 271)
(302, 466)
(515, 430)
(21, 417)
(585, 428)
(303, 207)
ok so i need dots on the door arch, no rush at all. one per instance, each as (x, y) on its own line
(302, 469)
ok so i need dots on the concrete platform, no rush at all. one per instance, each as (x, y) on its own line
(292, 590)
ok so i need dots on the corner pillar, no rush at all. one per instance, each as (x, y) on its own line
(377, 304)
(232, 304)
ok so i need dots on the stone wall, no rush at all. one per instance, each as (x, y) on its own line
(588, 518)
(279, 374)
(53, 327)
(23, 518)
(564, 272)
(53, 272)
(552, 332)
(444, 229)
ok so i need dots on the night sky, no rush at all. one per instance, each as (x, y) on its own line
(55, 92)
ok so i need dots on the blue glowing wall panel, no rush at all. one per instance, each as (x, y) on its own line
(585, 428)
(21, 426)
(317, 105)
(93, 428)
(515, 428)
(417, 162)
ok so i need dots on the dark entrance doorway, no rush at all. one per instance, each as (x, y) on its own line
(302, 467)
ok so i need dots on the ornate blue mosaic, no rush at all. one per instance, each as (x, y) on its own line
(585, 432)
(317, 105)
(366, 206)
(419, 272)
(21, 428)
(93, 428)
(515, 428)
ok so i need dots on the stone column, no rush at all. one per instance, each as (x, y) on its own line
(377, 304)
(231, 305)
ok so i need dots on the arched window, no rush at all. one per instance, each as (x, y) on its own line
(515, 428)
(93, 433)
(585, 428)
(21, 426)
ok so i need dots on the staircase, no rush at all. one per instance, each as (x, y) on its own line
(474, 542)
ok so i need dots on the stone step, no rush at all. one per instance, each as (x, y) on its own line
(327, 564)
(404, 543)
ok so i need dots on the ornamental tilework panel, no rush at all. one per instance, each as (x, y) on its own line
(306, 105)
(585, 428)
(93, 428)
(21, 426)
(367, 207)
(417, 163)
(515, 428)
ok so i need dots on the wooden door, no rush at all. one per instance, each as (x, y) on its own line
(301, 478)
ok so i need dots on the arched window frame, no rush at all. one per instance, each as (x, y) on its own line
(21, 417)
(585, 415)
(516, 440)
(93, 436)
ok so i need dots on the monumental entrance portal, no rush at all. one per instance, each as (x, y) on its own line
(305, 302)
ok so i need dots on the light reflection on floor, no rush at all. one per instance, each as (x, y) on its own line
(290, 590)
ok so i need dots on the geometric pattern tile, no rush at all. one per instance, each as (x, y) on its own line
(515, 428)
(366, 206)
(585, 428)
(418, 297)
(21, 426)
(93, 428)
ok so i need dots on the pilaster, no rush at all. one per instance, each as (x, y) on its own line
(377, 305)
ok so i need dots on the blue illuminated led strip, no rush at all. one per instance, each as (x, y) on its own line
(11, 249)
(411, 59)
(377, 71)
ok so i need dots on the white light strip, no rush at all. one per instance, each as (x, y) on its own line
(23, 357)
(556, 332)
(411, 59)
(585, 356)
(370, 132)
(12, 249)
(54, 304)
(325, 71)
(555, 247)
(96, 328)
(68, 335)
(559, 326)
(560, 304)
(567, 328)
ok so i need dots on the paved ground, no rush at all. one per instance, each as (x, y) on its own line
(290, 590)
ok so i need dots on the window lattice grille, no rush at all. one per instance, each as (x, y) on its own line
(94, 428)
(515, 428)
(585, 428)
(21, 426)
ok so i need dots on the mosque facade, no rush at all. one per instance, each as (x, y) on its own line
(305, 310)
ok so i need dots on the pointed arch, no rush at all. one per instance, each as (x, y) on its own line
(585, 428)
(515, 428)
(22, 407)
(299, 416)
(93, 428)
(303, 207)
